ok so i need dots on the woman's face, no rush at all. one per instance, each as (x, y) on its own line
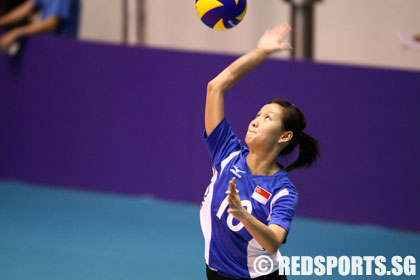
(265, 130)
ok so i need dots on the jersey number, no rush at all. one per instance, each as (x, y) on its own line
(246, 203)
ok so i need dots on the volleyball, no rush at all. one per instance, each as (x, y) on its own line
(221, 14)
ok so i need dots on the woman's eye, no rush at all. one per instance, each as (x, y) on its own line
(267, 117)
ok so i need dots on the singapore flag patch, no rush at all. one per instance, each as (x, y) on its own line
(261, 195)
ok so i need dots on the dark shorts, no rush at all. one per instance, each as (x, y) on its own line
(212, 275)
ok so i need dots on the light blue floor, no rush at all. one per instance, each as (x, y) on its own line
(60, 234)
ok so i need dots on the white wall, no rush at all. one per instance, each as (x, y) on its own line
(102, 20)
(362, 32)
(346, 31)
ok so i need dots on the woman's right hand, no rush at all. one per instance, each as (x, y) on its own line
(272, 39)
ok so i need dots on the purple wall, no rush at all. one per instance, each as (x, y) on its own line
(130, 120)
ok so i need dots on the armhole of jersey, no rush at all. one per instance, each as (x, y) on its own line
(227, 160)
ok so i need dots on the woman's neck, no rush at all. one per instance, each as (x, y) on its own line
(262, 164)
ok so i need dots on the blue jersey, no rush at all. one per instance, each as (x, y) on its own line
(68, 12)
(229, 248)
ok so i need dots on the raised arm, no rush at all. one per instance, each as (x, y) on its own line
(269, 43)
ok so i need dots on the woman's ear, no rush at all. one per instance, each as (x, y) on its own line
(286, 137)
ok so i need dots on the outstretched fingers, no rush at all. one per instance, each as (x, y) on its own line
(286, 46)
(233, 196)
(272, 39)
(282, 30)
(232, 187)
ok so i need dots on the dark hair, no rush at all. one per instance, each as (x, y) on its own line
(293, 120)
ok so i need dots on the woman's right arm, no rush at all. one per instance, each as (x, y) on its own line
(270, 42)
(17, 14)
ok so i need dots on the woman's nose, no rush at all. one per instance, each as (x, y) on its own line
(254, 123)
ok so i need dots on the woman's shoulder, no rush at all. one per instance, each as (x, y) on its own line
(282, 181)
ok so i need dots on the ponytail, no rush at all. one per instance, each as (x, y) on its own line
(308, 152)
(294, 120)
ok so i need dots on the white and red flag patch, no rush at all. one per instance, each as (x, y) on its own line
(261, 195)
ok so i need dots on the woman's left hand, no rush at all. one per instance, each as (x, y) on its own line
(235, 205)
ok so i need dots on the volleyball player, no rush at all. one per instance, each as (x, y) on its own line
(250, 203)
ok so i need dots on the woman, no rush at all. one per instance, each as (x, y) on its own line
(249, 205)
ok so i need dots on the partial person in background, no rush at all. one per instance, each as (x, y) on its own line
(6, 6)
(60, 17)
